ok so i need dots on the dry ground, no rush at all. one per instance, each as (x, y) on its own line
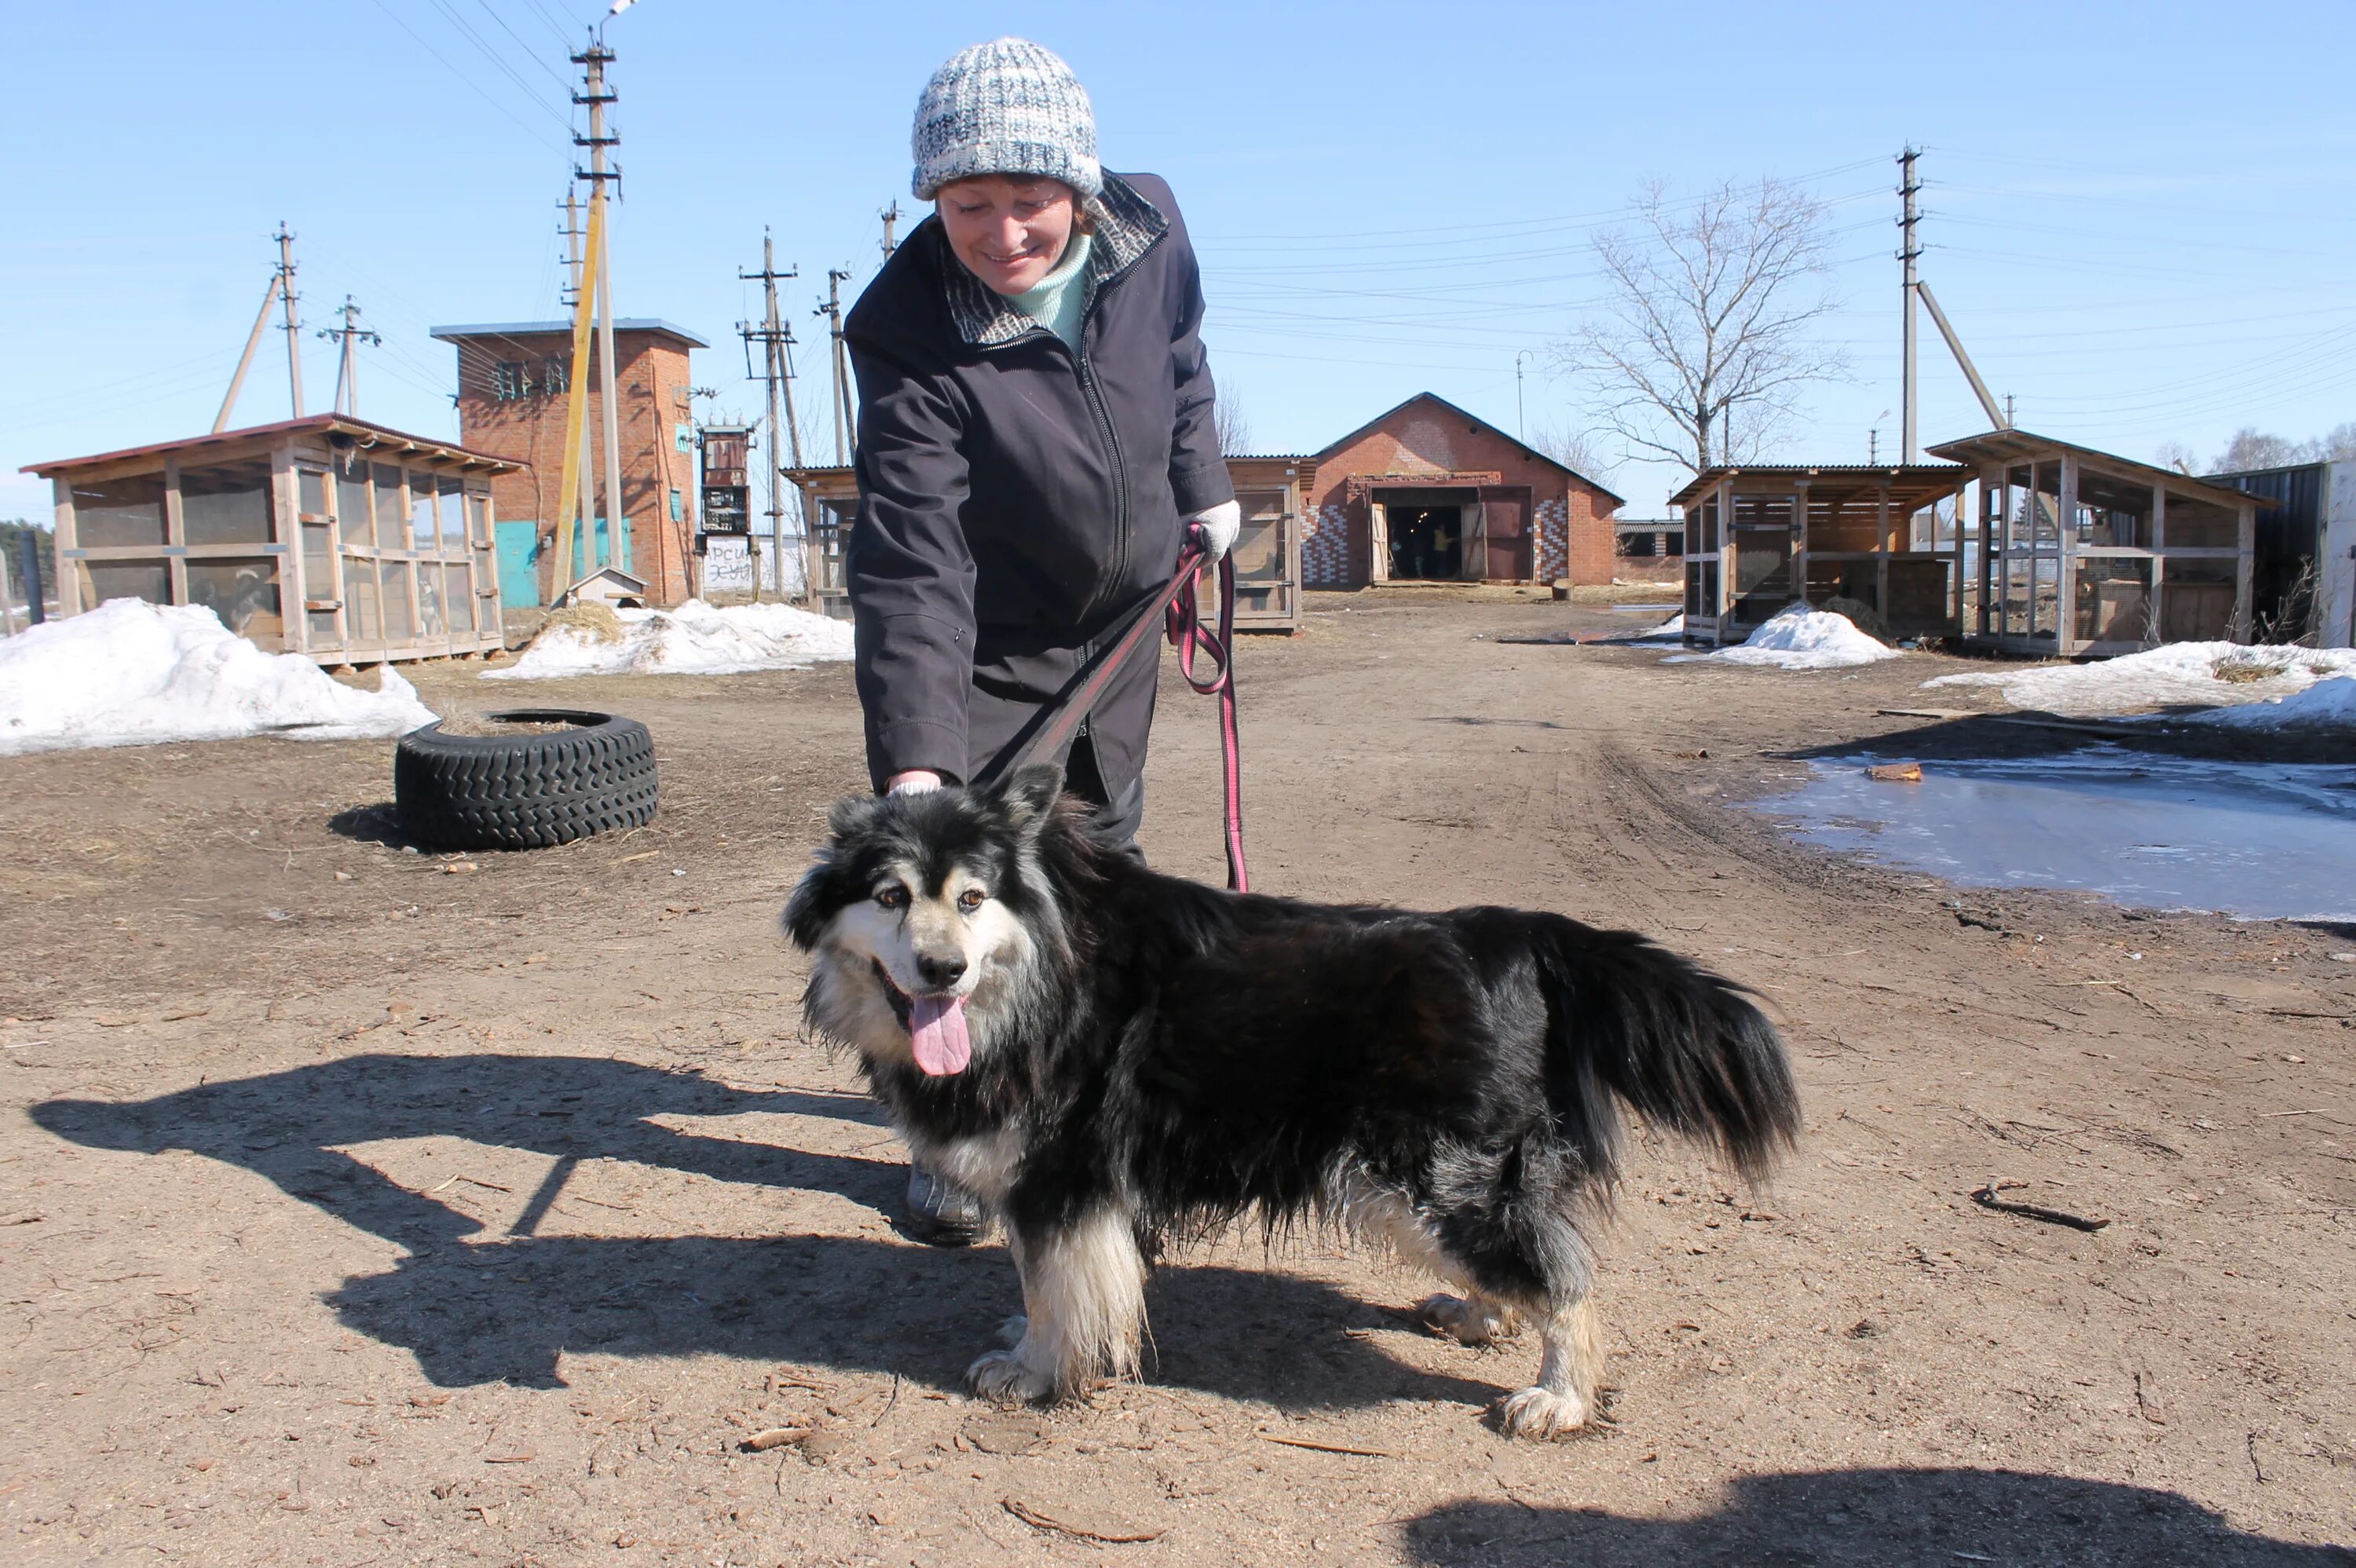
(360, 1206)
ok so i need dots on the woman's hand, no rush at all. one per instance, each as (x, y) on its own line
(916, 781)
(1220, 526)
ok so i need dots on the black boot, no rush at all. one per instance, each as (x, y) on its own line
(941, 1213)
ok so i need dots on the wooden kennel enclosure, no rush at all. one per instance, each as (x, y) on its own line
(324, 536)
(1761, 539)
(2077, 551)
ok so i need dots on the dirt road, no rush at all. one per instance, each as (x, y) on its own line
(364, 1206)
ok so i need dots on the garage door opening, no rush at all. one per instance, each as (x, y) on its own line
(1427, 543)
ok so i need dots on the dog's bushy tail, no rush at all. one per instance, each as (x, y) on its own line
(1686, 1047)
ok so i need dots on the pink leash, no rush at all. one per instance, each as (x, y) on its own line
(1184, 622)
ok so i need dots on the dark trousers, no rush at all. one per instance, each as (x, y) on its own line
(1119, 818)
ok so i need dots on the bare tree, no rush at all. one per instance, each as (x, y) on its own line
(1574, 449)
(1234, 425)
(2337, 444)
(2176, 454)
(1707, 342)
(2252, 448)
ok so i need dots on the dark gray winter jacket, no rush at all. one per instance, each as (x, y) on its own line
(1018, 502)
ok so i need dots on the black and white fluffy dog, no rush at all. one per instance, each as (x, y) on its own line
(1112, 1057)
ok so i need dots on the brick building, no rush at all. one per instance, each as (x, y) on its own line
(513, 385)
(1426, 492)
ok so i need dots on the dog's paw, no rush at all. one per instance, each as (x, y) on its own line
(1465, 1323)
(1002, 1378)
(1541, 1415)
(1010, 1332)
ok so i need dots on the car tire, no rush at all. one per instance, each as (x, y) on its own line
(526, 791)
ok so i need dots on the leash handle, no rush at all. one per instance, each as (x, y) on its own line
(1187, 634)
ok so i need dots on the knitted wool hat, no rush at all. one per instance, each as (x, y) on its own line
(1005, 108)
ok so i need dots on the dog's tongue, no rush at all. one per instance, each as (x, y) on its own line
(937, 1031)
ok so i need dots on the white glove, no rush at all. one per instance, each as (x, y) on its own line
(916, 781)
(1220, 525)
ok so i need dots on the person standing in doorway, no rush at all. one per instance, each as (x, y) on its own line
(1036, 436)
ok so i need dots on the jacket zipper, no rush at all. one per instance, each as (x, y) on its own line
(1094, 395)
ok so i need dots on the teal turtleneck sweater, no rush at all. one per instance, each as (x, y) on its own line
(1060, 298)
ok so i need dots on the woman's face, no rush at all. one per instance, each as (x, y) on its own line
(1009, 232)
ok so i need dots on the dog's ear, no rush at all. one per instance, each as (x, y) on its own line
(852, 815)
(1029, 796)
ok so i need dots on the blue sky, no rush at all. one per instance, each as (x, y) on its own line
(2141, 217)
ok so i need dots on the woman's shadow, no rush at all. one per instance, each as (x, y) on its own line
(477, 1308)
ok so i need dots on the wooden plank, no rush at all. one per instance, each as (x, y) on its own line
(69, 576)
(2243, 629)
(285, 513)
(2065, 585)
(176, 563)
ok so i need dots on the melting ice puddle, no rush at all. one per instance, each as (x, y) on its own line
(2258, 841)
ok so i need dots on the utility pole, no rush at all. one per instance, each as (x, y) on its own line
(844, 418)
(571, 235)
(891, 216)
(348, 381)
(593, 60)
(1521, 430)
(287, 297)
(581, 454)
(1909, 252)
(773, 334)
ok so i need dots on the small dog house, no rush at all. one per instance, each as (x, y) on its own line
(326, 536)
(2077, 551)
(1759, 538)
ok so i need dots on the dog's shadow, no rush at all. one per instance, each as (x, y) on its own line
(478, 1308)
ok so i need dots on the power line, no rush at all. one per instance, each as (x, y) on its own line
(498, 60)
(529, 53)
(486, 95)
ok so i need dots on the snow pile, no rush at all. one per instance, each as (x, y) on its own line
(1798, 638)
(694, 639)
(1672, 630)
(2330, 701)
(134, 674)
(2173, 674)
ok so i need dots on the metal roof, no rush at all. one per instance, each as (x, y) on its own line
(371, 434)
(1938, 478)
(2024, 446)
(564, 329)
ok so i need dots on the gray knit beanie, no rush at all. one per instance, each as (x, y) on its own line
(1005, 108)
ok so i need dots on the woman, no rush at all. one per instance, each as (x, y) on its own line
(1036, 436)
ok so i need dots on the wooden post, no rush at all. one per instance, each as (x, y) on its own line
(175, 565)
(1728, 561)
(1798, 543)
(1881, 549)
(2065, 578)
(285, 509)
(67, 569)
(2247, 537)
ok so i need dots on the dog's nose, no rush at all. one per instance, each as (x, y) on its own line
(943, 972)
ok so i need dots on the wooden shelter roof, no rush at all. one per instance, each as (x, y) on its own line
(1911, 485)
(366, 434)
(2009, 446)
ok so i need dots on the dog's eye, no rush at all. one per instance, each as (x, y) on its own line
(893, 897)
(971, 899)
